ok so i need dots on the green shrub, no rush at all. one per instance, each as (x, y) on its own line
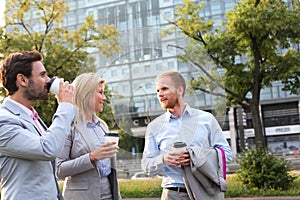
(237, 189)
(262, 170)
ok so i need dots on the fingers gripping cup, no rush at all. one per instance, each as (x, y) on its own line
(53, 85)
(110, 137)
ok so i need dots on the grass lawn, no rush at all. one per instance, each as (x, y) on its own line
(151, 188)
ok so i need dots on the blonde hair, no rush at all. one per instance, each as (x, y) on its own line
(85, 85)
(176, 77)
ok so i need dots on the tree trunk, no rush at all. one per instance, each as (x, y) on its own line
(255, 101)
(257, 125)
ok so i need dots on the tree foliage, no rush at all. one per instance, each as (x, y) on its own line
(108, 114)
(257, 45)
(39, 25)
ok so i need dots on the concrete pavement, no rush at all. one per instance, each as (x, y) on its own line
(266, 198)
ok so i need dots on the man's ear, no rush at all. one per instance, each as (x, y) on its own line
(180, 90)
(21, 80)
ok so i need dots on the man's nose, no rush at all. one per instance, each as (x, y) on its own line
(48, 79)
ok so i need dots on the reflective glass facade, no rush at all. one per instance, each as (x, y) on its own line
(131, 74)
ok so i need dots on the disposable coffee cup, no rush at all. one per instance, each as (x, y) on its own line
(112, 137)
(53, 85)
(179, 146)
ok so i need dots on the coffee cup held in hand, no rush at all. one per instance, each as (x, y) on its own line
(111, 137)
(53, 85)
(179, 146)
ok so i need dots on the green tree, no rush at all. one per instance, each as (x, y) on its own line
(107, 114)
(254, 48)
(38, 25)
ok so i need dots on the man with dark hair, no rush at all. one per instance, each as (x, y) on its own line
(27, 146)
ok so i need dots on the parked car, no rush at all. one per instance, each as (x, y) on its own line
(142, 175)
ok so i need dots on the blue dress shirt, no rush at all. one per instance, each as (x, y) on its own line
(195, 128)
(103, 165)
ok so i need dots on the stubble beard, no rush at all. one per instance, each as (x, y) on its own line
(170, 104)
(32, 93)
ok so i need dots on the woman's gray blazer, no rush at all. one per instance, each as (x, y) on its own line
(82, 178)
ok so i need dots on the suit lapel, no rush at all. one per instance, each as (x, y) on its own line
(42, 123)
(87, 135)
(17, 111)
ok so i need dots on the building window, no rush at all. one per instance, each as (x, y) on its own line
(148, 85)
(147, 68)
(266, 93)
(81, 15)
(114, 73)
(216, 8)
(136, 70)
(167, 15)
(124, 71)
(170, 65)
(281, 114)
(102, 16)
(71, 18)
(125, 88)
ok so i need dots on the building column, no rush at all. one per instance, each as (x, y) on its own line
(263, 125)
(232, 131)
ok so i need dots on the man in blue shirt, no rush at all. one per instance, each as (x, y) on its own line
(180, 123)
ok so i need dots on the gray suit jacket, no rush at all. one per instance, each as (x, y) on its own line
(82, 177)
(203, 178)
(25, 156)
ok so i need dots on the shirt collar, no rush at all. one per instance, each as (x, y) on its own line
(187, 111)
(24, 108)
(93, 124)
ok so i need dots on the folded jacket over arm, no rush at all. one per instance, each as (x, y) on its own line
(204, 178)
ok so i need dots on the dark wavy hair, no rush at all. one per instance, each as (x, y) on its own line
(17, 63)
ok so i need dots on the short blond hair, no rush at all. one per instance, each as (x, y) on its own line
(175, 76)
(85, 86)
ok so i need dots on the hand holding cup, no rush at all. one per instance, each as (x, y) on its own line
(112, 137)
(62, 89)
(106, 150)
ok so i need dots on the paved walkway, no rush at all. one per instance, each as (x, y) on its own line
(238, 198)
(266, 198)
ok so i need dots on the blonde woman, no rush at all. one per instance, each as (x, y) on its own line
(86, 162)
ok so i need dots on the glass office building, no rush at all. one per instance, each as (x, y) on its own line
(131, 74)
